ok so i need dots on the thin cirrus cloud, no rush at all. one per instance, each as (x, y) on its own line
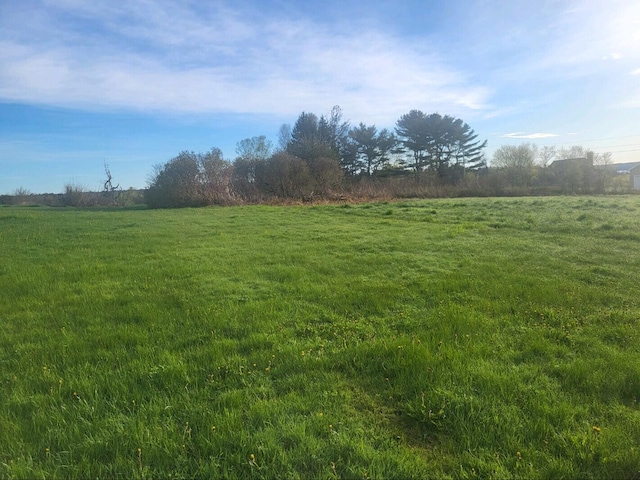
(531, 136)
(613, 56)
(170, 58)
(215, 57)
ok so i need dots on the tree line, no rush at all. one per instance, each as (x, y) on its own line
(322, 157)
(571, 170)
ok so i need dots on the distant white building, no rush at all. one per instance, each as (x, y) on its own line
(622, 168)
(634, 173)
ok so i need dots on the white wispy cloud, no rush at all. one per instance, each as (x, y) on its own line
(209, 57)
(531, 136)
(165, 56)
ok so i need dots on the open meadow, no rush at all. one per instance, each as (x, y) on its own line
(453, 338)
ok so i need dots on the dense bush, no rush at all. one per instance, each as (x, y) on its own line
(284, 176)
(190, 180)
(243, 179)
(75, 195)
(327, 176)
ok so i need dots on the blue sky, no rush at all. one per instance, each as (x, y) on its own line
(134, 83)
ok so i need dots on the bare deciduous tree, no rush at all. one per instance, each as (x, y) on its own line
(110, 191)
(517, 162)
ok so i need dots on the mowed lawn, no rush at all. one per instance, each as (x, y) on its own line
(458, 338)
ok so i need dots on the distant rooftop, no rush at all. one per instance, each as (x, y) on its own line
(622, 168)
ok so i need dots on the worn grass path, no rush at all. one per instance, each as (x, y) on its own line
(421, 339)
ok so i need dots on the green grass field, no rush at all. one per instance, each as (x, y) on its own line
(466, 338)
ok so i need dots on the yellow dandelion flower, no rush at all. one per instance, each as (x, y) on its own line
(596, 429)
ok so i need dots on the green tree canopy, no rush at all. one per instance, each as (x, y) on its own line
(411, 128)
(371, 148)
(440, 143)
(312, 137)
